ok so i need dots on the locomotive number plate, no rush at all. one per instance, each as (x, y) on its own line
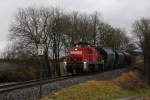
(76, 52)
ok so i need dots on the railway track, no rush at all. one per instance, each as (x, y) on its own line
(26, 84)
(31, 91)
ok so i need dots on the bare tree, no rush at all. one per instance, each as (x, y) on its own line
(142, 31)
(32, 27)
(95, 22)
(108, 36)
(58, 30)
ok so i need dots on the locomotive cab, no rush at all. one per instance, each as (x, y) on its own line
(80, 57)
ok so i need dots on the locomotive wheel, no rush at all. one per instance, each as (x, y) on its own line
(97, 68)
(79, 69)
(91, 68)
(73, 71)
(103, 67)
(100, 68)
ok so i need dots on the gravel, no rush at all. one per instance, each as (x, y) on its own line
(33, 92)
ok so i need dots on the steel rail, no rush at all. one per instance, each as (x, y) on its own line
(26, 84)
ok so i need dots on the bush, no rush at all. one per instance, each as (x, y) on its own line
(132, 80)
(19, 74)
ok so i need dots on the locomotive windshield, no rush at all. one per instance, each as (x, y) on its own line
(82, 44)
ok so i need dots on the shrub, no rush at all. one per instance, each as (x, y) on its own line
(132, 80)
(19, 74)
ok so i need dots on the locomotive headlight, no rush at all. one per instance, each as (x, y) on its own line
(65, 64)
(85, 66)
(76, 49)
(84, 62)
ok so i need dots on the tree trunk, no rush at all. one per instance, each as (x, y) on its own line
(147, 63)
(58, 67)
(57, 63)
(147, 74)
(47, 65)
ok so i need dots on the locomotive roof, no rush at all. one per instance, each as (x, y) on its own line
(82, 43)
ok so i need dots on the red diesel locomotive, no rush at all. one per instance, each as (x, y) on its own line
(86, 58)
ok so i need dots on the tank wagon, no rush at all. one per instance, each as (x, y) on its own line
(84, 57)
(120, 59)
(108, 56)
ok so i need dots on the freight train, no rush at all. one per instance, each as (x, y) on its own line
(84, 57)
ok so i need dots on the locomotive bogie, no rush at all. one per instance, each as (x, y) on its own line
(74, 68)
(85, 67)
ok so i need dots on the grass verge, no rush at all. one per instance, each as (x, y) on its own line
(128, 84)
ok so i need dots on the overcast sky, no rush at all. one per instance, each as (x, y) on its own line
(119, 13)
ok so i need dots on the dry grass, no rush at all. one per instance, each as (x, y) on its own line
(133, 80)
(91, 90)
(95, 90)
